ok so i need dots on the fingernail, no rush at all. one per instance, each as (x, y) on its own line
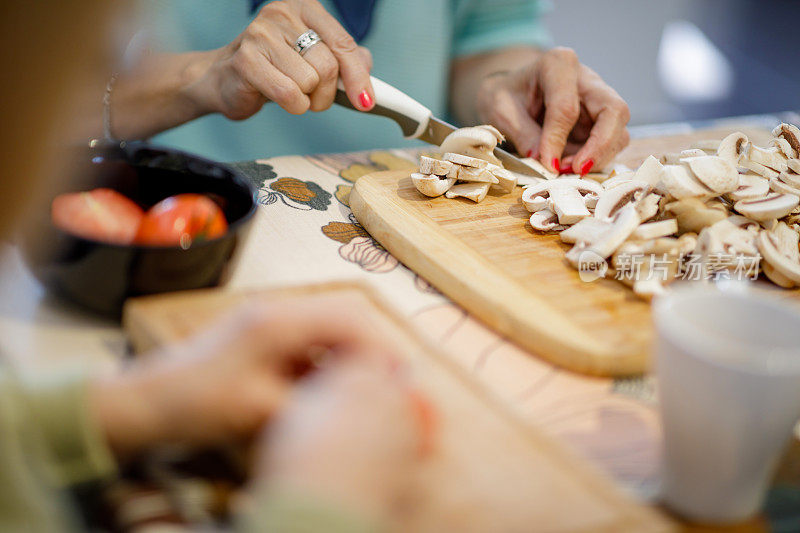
(366, 100)
(556, 165)
(587, 166)
(530, 153)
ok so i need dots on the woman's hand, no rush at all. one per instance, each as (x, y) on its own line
(221, 386)
(261, 65)
(558, 111)
(350, 436)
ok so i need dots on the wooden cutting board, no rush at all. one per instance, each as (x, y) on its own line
(489, 471)
(487, 258)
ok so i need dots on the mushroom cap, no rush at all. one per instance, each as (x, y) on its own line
(494, 131)
(774, 205)
(537, 203)
(473, 142)
(714, 172)
(732, 147)
(430, 185)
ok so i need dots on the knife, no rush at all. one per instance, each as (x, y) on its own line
(417, 121)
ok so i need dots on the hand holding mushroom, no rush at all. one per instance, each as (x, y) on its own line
(558, 111)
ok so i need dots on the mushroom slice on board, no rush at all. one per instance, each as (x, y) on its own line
(750, 186)
(537, 203)
(680, 182)
(778, 185)
(437, 167)
(587, 230)
(693, 214)
(609, 240)
(791, 134)
(473, 191)
(465, 160)
(565, 197)
(545, 220)
(692, 152)
(727, 237)
(779, 250)
(794, 165)
(714, 172)
(430, 185)
(790, 178)
(473, 174)
(654, 230)
(772, 206)
(769, 157)
(472, 142)
(613, 199)
(619, 179)
(758, 168)
(507, 180)
(733, 147)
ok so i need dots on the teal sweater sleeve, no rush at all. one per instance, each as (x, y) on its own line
(486, 25)
(47, 441)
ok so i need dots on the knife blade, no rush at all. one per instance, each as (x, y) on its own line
(417, 121)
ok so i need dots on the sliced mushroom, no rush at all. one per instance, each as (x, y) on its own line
(649, 206)
(587, 230)
(773, 205)
(474, 191)
(794, 165)
(654, 230)
(750, 186)
(536, 204)
(609, 240)
(692, 152)
(784, 147)
(436, 167)
(465, 160)
(545, 220)
(494, 131)
(769, 157)
(790, 178)
(613, 199)
(565, 197)
(472, 142)
(791, 134)
(733, 147)
(590, 200)
(619, 179)
(779, 249)
(758, 168)
(693, 214)
(714, 172)
(727, 237)
(710, 145)
(680, 182)
(431, 185)
(670, 158)
(506, 179)
(778, 185)
(649, 172)
(473, 174)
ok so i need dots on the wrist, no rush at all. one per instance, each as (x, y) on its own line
(199, 84)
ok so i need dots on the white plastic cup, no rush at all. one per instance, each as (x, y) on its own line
(728, 370)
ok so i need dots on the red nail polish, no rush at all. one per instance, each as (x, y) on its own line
(556, 165)
(586, 167)
(530, 153)
(365, 99)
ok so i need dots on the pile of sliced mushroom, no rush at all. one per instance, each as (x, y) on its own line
(727, 197)
(468, 167)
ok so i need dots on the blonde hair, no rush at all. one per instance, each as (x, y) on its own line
(52, 55)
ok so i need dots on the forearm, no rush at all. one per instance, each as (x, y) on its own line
(467, 74)
(162, 92)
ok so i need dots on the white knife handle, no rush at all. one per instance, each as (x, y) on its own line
(410, 115)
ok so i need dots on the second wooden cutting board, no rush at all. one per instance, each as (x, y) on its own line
(487, 258)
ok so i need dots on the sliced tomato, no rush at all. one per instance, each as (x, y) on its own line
(182, 220)
(101, 215)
